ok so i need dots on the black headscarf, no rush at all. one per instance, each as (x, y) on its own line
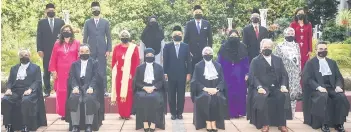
(152, 36)
(149, 50)
(233, 51)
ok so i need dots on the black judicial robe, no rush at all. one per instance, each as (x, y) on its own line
(259, 75)
(150, 107)
(313, 101)
(38, 114)
(201, 102)
(92, 78)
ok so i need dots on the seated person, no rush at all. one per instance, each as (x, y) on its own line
(270, 97)
(324, 102)
(22, 106)
(148, 87)
(207, 93)
(83, 89)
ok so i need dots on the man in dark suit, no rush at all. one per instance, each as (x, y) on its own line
(47, 33)
(253, 35)
(177, 69)
(198, 34)
(98, 35)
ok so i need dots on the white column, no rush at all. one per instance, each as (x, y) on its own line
(66, 16)
(263, 16)
(230, 21)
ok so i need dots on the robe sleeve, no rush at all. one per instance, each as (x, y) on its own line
(138, 83)
(37, 83)
(253, 73)
(95, 76)
(307, 76)
(73, 81)
(339, 79)
(53, 59)
(159, 83)
(285, 78)
(220, 85)
(11, 78)
(195, 85)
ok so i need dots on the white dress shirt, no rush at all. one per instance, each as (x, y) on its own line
(256, 25)
(83, 67)
(53, 21)
(22, 71)
(96, 21)
(199, 23)
(268, 59)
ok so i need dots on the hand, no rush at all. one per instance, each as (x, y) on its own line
(246, 77)
(338, 89)
(41, 54)
(123, 99)
(188, 77)
(107, 54)
(54, 74)
(323, 90)
(90, 90)
(283, 89)
(113, 103)
(27, 92)
(262, 91)
(166, 77)
(8, 92)
(213, 91)
(309, 53)
(75, 90)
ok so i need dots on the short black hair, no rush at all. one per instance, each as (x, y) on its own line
(85, 45)
(321, 42)
(197, 7)
(50, 5)
(95, 3)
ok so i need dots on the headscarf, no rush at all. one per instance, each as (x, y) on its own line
(233, 51)
(124, 34)
(210, 72)
(288, 30)
(152, 36)
(149, 70)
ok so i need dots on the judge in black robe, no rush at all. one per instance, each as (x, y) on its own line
(208, 93)
(22, 106)
(269, 97)
(83, 103)
(149, 99)
(324, 102)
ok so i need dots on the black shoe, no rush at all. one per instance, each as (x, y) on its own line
(173, 117)
(146, 129)
(151, 130)
(340, 128)
(9, 128)
(180, 117)
(209, 130)
(325, 128)
(214, 130)
(88, 128)
(75, 129)
(63, 118)
(25, 129)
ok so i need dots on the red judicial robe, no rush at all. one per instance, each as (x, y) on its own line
(303, 36)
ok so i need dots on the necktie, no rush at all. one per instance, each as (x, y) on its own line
(198, 27)
(257, 33)
(177, 49)
(96, 22)
(51, 23)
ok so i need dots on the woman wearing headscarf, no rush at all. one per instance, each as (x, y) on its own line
(125, 60)
(152, 37)
(235, 63)
(289, 51)
(208, 93)
(148, 86)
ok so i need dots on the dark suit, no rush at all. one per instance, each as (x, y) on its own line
(176, 68)
(45, 42)
(251, 41)
(197, 41)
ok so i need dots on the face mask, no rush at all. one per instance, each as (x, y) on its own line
(208, 57)
(267, 52)
(153, 23)
(96, 13)
(67, 34)
(84, 56)
(255, 20)
(24, 60)
(149, 59)
(300, 16)
(198, 16)
(322, 53)
(289, 38)
(177, 38)
(50, 14)
(234, 39)
(125, 40)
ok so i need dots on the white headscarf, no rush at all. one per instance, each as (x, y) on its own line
(149, 73)
(210, 72)
(324, 68)
(22, 71)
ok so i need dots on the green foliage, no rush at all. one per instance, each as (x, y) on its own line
(322, 9)
(347, 41)
(283, 24)
(333, 32)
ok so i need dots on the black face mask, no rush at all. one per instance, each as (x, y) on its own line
(50, 14)
(149, 59)
(300, 16)
(267, 52)
(84, 56)
(289, 38)
(255, 20)
(67, 34)
(208, 57)
(177, 38)
(153, 23)
(198, 16)
(322, 53)
(125, 40)
(96, 13)
(24, 60)
(234, 39)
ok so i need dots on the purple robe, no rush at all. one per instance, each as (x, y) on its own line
(234, 76)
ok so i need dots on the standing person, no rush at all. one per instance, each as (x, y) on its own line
(325, 104)
(253, 35)
(125, 59)
(64, 53)
(289, 51)
(303, 34)
(198, 34)
(152, 37)
(98, 35)
(235, 63)
(47, 33)
(177, 68)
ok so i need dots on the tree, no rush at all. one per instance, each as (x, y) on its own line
(322, 10)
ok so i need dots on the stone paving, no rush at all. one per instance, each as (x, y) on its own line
(112, 124)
